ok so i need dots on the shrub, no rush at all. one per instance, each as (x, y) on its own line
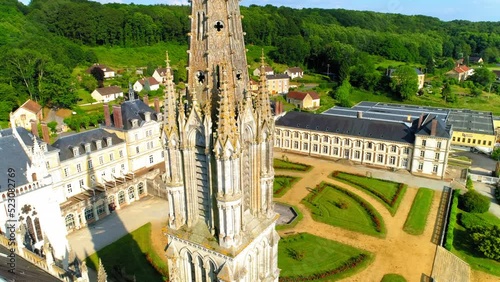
(486, 240)
(497, 193)
(474, 202)
(470, 220)
(296, 255)
(452, 220)
(469, 184)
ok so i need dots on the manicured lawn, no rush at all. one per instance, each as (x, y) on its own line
(283, 183)
(463, 247)
(287, 165)
(304, 255)
(393, 278)
(388, 193)
(417, 218)
(84, 97)
(129, 253)
(296, 220)
(338, 207)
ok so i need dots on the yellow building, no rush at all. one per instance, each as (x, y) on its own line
(28, 111)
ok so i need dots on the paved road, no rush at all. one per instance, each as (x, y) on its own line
(87, 241)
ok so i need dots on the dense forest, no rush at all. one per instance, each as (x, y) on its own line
(40, 44)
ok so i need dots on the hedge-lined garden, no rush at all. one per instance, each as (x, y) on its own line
(283, 183)
(417, 218)
(338, 207)
(285, 164)
(305, 257)
(389, 193)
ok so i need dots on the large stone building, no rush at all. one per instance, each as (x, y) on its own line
(420, 146)
(219, 152)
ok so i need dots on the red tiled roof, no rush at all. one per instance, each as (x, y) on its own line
(302, 95)
(461, 69)
(31, 106)
(152, 81)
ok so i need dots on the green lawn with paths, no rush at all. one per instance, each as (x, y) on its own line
(305, 254)
(129, 253)
(382, 190)
(333, 206)
(417, 218)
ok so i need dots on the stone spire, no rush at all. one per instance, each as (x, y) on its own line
(226, 125)
(263, 105)
(131, 92)
(170, 123)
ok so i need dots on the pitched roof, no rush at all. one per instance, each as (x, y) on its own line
(134, 109)
(295, 70)
(373, 129)
(110, 90)
(161, 71)
(277, 76)
(31, 106)
(67, 143)
(151, 80)
(25, 270)
(418, 71)
(102, 67)
(302, 95)
(474, 59)
(442, 130)
(461, 69)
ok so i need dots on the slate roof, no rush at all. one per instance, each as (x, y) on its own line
(67, 143)
(110, 90)
(302, 95)
(277, 76)
(134, 109)
(474, 59)
(13, 156)
(442, 130)
(25, 270)
(161, 71)
(31, 106)
(358, 127)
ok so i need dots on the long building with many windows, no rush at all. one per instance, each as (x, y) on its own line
(420, 146)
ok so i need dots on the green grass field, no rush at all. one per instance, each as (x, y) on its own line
(333, 206)
(463, 247)
(393, 278)
(129, 253)
(417, 218)
(303, 255)
(382, 190)
(283, 183)
(287, 165)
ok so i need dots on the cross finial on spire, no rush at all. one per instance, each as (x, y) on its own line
(167, 60)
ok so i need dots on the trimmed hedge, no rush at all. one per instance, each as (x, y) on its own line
(497, 194)
(470, 220)
(474, 202)
(452, 220)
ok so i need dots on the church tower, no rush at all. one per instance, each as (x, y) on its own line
(218, 153)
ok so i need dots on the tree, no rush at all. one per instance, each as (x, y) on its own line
(88, 82)
(98, 74)
(487, 240)
(53, 127)
(474, 202)
(497, 169)
(469, 184)
(404, 82)
(448, 95)
(483, 77)
(56, 87)
(496, 154)
(342, 94)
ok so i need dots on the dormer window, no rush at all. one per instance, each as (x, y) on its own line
(109, 141)
(87, 147)
(135, 123)
(76, 151)
(147, 116)
(98, 144)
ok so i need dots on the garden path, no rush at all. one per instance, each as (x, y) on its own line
(408, 255)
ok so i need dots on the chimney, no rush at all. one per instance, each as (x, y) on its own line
(157, 105)
(45, 133)
(434, 127)
(117, 116)
(34, 128)
(145, 99)
(107, 117)
(420, 120)
(360, 114)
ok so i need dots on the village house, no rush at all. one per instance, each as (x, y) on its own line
(460, 72)
(475, 60)
(278, 84)
(268, 71)
(107, 94)
(303, 100)
(295, 72)
(148, 84)
(27, 112)
(108, 72)
(160, 75)
(420, 76)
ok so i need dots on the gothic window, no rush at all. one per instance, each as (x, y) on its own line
(203, 271)
(219, 25)
(70, 222)
(31, 229)
(131, 193)
(89, 213)
(200, 77)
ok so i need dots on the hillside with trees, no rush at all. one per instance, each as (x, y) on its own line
(41, 44)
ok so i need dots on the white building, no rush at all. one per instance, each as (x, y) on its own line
(107, 94)
(147, 84)
(420, 147)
